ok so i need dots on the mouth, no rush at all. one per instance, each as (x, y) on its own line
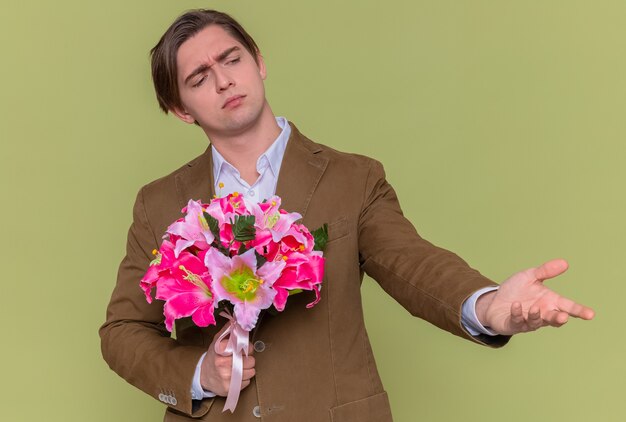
(234, 101)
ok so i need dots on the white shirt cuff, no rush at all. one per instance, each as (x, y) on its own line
(468, 314)
(197, 392)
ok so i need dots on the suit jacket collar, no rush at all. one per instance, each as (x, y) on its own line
(300, 173)
(195, 181)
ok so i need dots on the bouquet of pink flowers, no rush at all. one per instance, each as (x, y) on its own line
(251, 255)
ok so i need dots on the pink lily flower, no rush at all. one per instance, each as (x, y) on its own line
(158, 269)
(270, 218)
(302, 272)
(238, 281)
(187, 292)
(297, 239)
(224, 210)
(228, 239)
(192, 230)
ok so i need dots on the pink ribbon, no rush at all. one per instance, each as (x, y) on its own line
(237, 345)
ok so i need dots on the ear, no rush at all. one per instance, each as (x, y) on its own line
(183, 115)
(262, 69)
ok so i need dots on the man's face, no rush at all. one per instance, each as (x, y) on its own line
(220, 84)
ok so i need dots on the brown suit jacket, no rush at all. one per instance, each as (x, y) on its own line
(317, 364)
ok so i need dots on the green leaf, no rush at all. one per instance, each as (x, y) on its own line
(260, 260)
(243, 228)
(222, 248)
(242, 249)
(214, 225)
(320, 236)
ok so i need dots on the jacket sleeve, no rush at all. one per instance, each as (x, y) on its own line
(134, 340)
(430, 282)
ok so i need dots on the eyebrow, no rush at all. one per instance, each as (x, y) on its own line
(204, 67)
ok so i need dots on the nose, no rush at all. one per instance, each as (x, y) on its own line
(223, 81)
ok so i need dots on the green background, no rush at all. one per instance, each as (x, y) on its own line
(500, 123)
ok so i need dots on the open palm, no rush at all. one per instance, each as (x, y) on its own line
(523, 303)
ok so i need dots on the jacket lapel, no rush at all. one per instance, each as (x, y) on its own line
(300, 172)
(196, 180)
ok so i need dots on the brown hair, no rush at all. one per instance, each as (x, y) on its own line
(163, 55)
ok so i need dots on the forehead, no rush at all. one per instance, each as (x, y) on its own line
(203, 48)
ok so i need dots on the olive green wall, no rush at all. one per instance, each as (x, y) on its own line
(500, 123)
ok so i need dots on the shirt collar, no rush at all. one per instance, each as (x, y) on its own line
(274, 154)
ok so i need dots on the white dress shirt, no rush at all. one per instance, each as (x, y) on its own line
(268, 167)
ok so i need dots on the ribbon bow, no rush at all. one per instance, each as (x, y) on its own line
(237, 345)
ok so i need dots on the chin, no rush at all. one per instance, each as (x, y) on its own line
(242, 121)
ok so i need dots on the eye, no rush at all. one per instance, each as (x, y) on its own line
(197, 84)
(233, 61)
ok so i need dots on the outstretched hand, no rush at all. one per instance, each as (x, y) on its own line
(523, 303)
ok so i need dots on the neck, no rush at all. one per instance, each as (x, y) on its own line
(243, 149)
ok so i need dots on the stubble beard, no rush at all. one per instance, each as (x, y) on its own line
(239, 123)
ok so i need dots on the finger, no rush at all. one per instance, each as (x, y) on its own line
(224, 362)
(551, 269)
(219, 333)
(517, 317)
(556, 318)
(534, 319)
(575, 309)
(244, 384)
(250, 349)
(225, 373)
(222, 346)
(248, 362)
(248, 373)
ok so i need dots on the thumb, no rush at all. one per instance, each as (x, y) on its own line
(551, 269)
(217, 335)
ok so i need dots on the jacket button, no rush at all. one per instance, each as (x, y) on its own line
(162, 397)
(259, 346)
(256, 411)
(173, 401)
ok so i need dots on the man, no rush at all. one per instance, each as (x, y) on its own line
(305, 364)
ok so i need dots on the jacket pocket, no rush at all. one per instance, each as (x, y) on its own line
(370, 409)
(337, 229)
(200, 409)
